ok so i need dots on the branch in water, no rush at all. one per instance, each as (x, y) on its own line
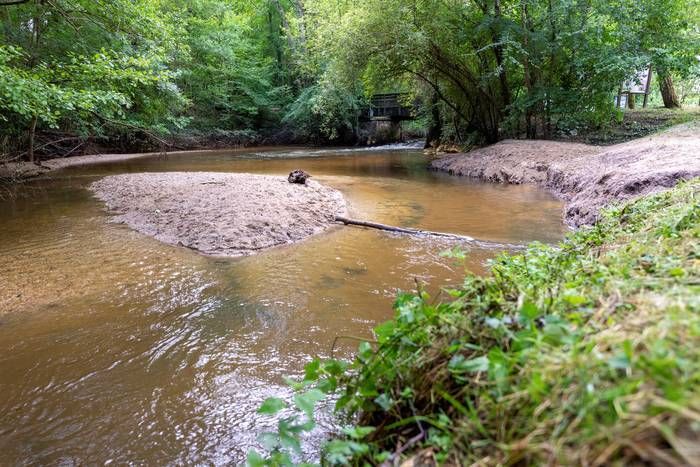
(429, 233)
(406, 230)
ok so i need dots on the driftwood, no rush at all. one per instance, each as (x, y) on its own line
(465, 238)
(406, 230)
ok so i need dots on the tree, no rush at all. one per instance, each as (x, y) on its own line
(492, 64)
(125, 71)
(668, 34)
(227, 73)
(113, 75)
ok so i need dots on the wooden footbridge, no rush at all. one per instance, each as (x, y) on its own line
(389, 107)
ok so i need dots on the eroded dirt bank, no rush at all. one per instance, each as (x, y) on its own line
(586, 177)
(217, 213)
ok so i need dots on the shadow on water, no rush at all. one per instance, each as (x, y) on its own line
(115, 347)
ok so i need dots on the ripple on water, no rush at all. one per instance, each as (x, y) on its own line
(115, 347)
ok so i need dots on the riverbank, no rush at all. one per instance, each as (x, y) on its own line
(220, 214)
(25, 170)
(587, 353)
(586, 177)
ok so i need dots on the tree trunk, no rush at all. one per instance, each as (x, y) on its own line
(530, 129)
(618, 100)
(646, 88)
(498, 51)
(552, 69)
(435, 126)
(32, 133)
(630, 100)
(36, 33)
(668, 92)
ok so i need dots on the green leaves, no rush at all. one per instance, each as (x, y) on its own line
(384, 401)
(307, 401)
(460, 365)
(358, 432)
(385, 331)
(228, 72)
(528, 313)
(254, 459)
(622, 360)
(341, 452)
(271, 406)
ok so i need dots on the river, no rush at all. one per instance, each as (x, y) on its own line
(116, 348)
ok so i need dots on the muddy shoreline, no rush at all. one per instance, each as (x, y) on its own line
(220, 214)
(586, 177)
(26, 170)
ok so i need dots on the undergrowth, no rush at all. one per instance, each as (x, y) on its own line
(587, 353)
(634, 124)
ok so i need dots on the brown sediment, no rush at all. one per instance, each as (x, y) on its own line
(218, 213)
(586, 177)
(24, 169)
(20, 170)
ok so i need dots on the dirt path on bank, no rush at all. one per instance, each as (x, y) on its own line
(586, 177)
(217, 213)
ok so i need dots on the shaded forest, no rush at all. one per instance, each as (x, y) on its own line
(79, 76)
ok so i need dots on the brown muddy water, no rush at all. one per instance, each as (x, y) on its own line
(115, 348)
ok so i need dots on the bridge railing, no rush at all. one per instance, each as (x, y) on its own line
(389, 106)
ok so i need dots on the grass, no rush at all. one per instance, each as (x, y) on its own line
(587, 353)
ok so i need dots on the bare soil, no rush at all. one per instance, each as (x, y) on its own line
(217, 213)
(22, 170)
(586, 177)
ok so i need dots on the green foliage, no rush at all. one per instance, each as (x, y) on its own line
(503, 67)
(665, 32)
(302, 69)
(325, 112)
(114, 73)
(567, 354)
(129, 67)
(227, 73)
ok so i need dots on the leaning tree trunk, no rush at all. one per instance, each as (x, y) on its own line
(530, 125)
(32, 136)
(499, 54)
(435, 126)
(668, 92)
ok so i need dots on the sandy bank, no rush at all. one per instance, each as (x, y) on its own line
(586, 177)
(23, 169)
(217, 213)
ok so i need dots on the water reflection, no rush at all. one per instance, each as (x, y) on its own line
(115, 347)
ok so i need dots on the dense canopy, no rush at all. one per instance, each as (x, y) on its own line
(130, 74)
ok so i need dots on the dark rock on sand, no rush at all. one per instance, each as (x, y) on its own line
(298, 176)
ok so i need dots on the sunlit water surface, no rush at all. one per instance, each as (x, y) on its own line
(115, 347)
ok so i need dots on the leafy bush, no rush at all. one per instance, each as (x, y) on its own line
(325, 113)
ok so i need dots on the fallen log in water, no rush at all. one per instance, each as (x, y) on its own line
(406, 230)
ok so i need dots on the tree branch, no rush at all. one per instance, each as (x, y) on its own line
(12, 2)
